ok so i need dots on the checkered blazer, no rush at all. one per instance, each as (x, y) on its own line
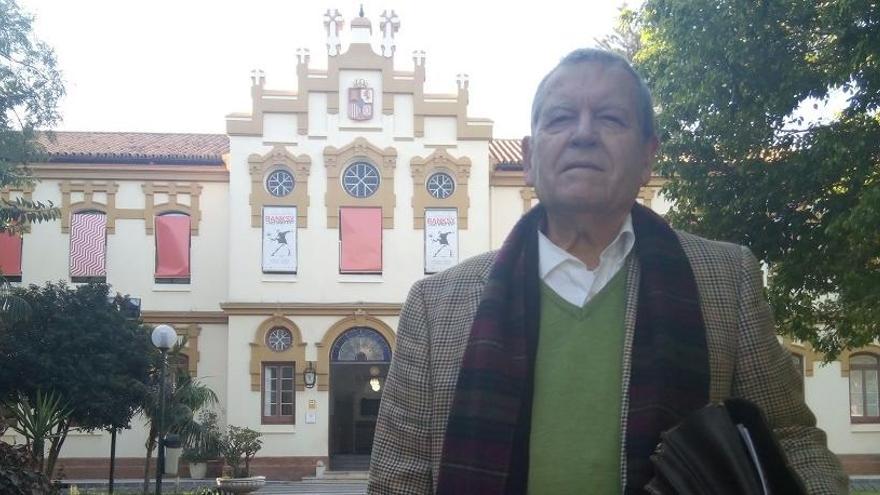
(745, 358)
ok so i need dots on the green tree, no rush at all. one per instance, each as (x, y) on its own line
(736, 82)
(184, 398)
(30, 87)
(625, 39)
(78, 344)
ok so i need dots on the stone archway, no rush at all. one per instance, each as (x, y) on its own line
(358, 358)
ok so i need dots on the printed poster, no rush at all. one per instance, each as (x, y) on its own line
(441, 239)
(279, 239)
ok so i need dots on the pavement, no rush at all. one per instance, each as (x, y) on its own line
(330, 487)
(170, 487)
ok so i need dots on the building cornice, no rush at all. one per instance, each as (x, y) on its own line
(311, 309)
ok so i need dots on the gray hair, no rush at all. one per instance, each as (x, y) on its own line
(583, 55)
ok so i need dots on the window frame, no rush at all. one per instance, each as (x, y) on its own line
(799, 361)
(343, 270)
(85, 279)
(861, 368)
(165, 279)
(16, 277)
(279, 419)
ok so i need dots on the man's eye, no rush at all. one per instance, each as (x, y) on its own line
(557, 119)
(612, 119)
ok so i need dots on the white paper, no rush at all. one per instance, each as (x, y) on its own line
(279, 239)
(441, 239)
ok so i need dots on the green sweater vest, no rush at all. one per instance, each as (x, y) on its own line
(574, 445)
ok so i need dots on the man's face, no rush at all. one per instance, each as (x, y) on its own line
(588, 153)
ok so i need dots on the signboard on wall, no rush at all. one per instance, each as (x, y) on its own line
(441, 239)
(279, 239)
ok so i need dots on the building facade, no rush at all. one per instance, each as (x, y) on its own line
(290, 242)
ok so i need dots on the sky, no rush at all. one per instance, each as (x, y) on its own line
(182, 65)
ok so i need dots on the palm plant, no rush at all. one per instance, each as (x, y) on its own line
(37, 423)
(13, 308)
(186, 397)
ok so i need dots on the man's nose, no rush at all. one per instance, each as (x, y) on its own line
(584, 133)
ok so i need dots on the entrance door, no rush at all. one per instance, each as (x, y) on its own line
(359, 360)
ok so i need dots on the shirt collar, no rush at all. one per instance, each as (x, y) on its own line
(550, 255)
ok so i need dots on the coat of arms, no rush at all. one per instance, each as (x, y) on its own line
(360, 101)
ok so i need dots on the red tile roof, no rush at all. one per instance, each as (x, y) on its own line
(205, 149)
(136, 147)
(506, 154)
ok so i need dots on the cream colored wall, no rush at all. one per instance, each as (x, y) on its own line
(827, 394)
(299, 439)
(506, 209)
(318, 278)
(130, 260)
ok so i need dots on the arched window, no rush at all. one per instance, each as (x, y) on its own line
(360, 344)
(864, 392)
(798, 361)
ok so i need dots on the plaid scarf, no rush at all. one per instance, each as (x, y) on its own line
(486, 448)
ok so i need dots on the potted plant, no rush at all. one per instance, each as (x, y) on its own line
(203, 445)
(238, 446)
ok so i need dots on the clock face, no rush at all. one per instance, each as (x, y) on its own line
(279, 339)
(361, 180)
(440, 185)
(280, 183)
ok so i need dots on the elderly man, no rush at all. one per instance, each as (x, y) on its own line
(553, 365)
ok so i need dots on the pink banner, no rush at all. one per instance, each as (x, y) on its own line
(172, 246)
(360, 236)
(10, 255)
(88, 245)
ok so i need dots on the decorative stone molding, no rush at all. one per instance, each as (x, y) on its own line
(126, 171)
(440, 161)
(279, 158)
(309, 309)
(88, 189)
(527, 194)
(336, 160)
(846, 355)
(360, 318)
(260, 352)
(27, 192)
(359, 56)
(804, 350)
(152, 209)
(191, 350)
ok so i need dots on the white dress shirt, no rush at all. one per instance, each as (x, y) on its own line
(569, 276)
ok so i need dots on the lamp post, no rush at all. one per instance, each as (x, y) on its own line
(163, 338)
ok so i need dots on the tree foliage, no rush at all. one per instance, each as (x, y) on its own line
(625, 39)
(78, 343)
(184, 397)
(736, 83)
(30, 87)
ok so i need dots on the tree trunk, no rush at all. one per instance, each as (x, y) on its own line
(55, 446)
(151, 444)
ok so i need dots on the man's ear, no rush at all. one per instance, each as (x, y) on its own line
(528, 172)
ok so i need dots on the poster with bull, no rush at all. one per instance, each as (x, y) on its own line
(441, 239)
(279, 239)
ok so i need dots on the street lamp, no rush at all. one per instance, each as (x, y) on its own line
(163, 338)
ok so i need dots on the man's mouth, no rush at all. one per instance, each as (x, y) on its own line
(582, 165)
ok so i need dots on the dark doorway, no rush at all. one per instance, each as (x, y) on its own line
(359, 361)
